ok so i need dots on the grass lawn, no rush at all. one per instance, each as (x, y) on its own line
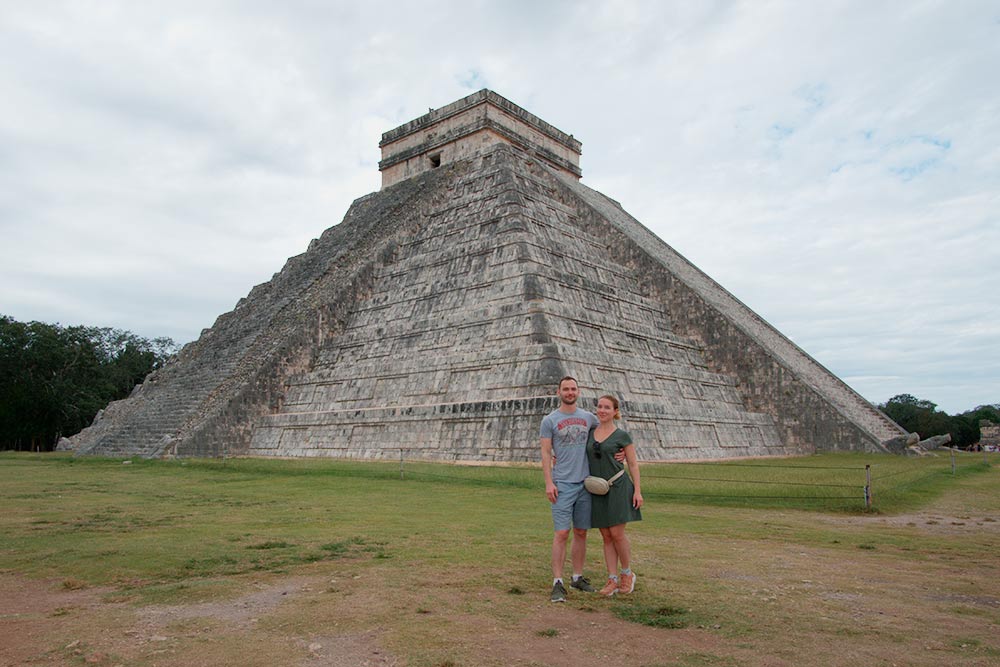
(306, 562)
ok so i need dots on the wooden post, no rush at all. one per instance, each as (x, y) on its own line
(868, 486)
(401, 463)
(952, 460)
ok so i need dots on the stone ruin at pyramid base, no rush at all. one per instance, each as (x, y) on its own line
(435, 321)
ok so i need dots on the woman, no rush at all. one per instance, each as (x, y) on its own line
(611, 512)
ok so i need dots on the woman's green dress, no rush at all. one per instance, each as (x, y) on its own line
(615, 507)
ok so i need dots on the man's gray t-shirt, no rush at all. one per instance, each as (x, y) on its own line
(569, 443)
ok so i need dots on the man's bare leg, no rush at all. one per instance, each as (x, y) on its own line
(578, 552)
(559, 540)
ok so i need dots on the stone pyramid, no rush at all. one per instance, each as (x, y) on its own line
(436, 319)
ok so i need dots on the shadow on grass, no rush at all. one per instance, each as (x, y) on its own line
(654, 614)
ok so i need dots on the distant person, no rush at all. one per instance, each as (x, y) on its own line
(622, 504)
(563, 436)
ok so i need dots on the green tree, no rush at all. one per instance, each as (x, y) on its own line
(54, 379)
(907, 411)
(988, 412)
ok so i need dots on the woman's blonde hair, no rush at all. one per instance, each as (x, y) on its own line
(614, 402)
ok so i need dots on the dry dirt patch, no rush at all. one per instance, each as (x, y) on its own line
(360, 649)
(941, 523)
(42, 622)
(574, 637)
(30, 609)
(243, 611)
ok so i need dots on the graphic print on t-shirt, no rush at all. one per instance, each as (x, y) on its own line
(572, 432)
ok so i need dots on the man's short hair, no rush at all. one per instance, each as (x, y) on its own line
(568, 377)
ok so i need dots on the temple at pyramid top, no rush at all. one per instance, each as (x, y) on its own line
(466, 127)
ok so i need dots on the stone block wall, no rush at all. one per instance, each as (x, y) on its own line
(989, 434)
(466, 127)
(488, 299)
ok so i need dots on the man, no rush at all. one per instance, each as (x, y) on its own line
(564, 441)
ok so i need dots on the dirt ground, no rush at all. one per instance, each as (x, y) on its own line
(786, 604)
(38, 617)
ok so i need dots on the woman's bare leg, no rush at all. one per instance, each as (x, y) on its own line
(610, 554)
(622, 547)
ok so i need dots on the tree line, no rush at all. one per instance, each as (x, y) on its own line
(54, 379)
(921, 416)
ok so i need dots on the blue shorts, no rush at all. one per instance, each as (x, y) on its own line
(572, 507)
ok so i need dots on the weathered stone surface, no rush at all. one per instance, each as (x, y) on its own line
(898, 444)
(437, 317)
(989, 434)
(469, 126)
(935, 442)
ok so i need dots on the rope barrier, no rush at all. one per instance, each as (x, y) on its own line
(661, 494)
(760, 465)
(750, 481)
(933, 472)
(890, 474)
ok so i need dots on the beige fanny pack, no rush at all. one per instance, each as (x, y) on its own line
(600, 486)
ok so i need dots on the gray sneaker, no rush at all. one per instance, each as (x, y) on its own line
(582, 584)
(558, 593)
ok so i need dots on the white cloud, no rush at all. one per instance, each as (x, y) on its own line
(833, 165)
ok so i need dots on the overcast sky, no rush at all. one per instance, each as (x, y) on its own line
(834, 165)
